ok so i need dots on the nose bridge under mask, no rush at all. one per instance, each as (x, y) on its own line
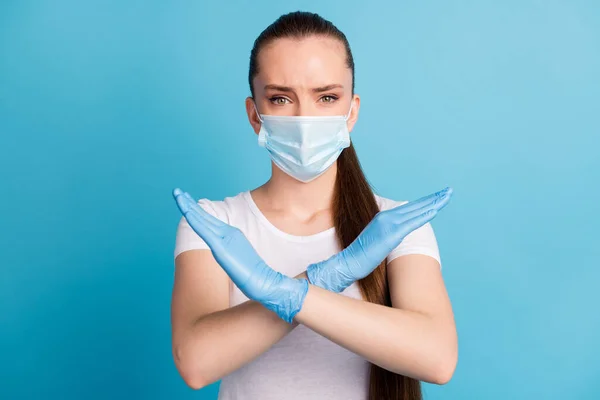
(304, 133)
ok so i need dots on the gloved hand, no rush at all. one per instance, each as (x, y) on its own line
(385, 231)
(235, 254)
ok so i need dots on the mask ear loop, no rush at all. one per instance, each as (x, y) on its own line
(349, 111)
(347, 140)
(261, 134)
(257, 114)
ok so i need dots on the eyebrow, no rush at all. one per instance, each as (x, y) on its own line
(315, 90)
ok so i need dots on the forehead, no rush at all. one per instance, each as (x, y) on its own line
(303, 63)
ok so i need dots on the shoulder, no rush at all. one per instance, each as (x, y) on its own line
(225, 209)
(386, 203)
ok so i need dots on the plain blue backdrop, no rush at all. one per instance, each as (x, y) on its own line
(106, 106)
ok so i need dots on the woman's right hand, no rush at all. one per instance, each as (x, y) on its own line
(385, 231)
(235, 254)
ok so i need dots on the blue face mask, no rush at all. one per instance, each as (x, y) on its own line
(304, 147)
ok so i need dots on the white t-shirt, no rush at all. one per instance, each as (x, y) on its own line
(302, 365)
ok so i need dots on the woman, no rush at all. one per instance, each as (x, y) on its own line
(366, 314)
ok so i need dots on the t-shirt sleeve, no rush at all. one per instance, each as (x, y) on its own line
(420, 241)
(186, 238)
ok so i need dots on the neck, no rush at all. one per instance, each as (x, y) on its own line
(286, 193)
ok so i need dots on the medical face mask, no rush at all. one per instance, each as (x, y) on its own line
(304, 147)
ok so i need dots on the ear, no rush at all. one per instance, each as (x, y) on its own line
(354, 112)
(252, 115)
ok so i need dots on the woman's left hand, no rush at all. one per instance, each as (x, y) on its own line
(234, 253)
(385, 231)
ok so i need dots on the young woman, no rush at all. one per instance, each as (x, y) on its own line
(310, 286)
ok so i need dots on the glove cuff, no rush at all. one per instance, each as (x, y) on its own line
(289, 298)
(328, 274)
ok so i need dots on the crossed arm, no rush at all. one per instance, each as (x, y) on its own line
(415, 337)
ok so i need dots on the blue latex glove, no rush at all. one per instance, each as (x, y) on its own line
(385, 231)
(235, 254)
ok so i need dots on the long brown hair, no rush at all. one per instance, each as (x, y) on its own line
(354, 203)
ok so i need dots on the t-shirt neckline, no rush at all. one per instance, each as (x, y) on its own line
(295, 238)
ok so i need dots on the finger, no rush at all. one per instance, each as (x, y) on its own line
(436, 204)
(417, 221)
(423, 201)
(197, 221)
(400, 214)
(419, 203)
(206, 232)
(187, 204)
(210, 219)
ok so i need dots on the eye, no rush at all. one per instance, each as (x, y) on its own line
(278, 100)
(329, 99)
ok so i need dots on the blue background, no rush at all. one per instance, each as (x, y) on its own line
(106, 106)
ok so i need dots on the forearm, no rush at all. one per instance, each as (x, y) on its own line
(221, 342)
(402, 341)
